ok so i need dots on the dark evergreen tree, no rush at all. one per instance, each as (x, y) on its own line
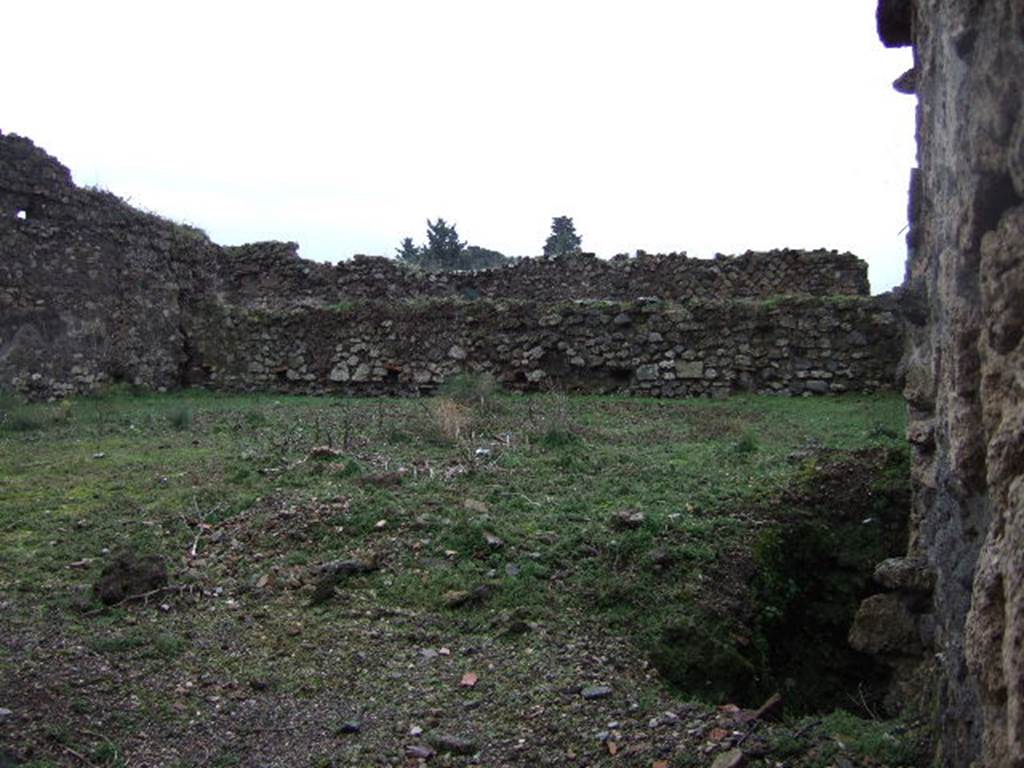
(563, 238)
(408, 252)
(444, 250)
(476, 257)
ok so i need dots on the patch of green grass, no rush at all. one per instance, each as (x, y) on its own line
(746, 445)
(18, 416)
(880, 742)
(555, 470)
(558, 437)
(148, 642)
(108, 755)
(180, 418)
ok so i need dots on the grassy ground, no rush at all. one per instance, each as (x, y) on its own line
(508, 543)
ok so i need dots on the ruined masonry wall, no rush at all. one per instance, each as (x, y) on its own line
(795, 346)
(92, 290)
(963, 364)
(272, 275)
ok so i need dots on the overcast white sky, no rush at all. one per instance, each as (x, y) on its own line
(656, 124)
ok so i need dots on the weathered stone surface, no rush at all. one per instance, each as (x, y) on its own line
(910, 574)
(883, 625)
(733, 758)
(895, 22)
(93, 291)
(964, 303)
(693, 369)
(452, 744)
(647, 372)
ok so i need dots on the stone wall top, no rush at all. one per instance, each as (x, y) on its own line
(36, 187)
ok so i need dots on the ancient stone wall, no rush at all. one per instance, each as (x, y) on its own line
(791, 346)
(964, 362)
(92, 290)
(262, 273)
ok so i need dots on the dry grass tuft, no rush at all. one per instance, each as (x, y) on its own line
(451, 419)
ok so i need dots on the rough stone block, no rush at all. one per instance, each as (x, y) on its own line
(689, 369)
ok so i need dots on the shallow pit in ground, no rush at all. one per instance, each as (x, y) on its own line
(804, 576)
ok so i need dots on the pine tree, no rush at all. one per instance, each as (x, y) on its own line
(563, 238)
(407, 252)
(444, 250)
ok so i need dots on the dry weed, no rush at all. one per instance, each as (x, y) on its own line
(451, 419)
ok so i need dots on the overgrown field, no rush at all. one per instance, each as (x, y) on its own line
(469, 579)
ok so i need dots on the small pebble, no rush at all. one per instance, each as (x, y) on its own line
(350, 726)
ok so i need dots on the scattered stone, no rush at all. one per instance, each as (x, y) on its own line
(597, 692)
(350, 726)
(456, 598)
(460, 597)
(627, 519)
(5, 715)
(517, 627)
(419, 752)
(352, 567)
(454, 745)
(771, 710)
(494, 542)
(800, 456)
(660, 557)
(128, 575)
(324, 591)
(324, 452)
(381, 479)
(883, 624)
(734, 758)
(331, 573)
(474, 505)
